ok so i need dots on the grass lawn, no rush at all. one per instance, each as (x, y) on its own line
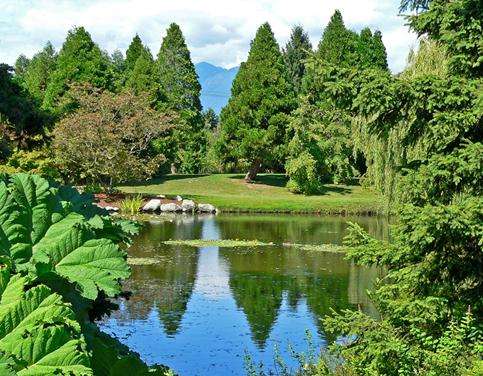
(230, 193)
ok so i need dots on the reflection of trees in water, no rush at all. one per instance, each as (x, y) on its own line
(260, 278)
(166, 286)
(300, 229)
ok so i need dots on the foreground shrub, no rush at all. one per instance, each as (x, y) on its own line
(60, 259)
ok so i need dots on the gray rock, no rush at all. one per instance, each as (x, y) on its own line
(170, 208)
(179, 198)
(111, 208)
(206, 208)
(152, 205)
(188, 205)
(161, 196)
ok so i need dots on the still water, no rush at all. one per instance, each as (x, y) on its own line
(200, 310)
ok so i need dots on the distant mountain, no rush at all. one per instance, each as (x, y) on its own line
(215, 85)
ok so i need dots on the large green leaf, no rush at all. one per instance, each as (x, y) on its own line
(38, 331)
(45, 233)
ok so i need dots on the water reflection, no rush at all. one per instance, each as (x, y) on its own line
(198, 310)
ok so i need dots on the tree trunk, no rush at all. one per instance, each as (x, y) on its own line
(253, 171)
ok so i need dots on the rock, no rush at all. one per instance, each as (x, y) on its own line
(179, 198)
(111, 208)
(188, 205)
(170, 208)
(161, 196)
(206, 208)
(152, 205)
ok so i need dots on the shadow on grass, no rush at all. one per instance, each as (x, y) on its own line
(274, 180)
(160, 180)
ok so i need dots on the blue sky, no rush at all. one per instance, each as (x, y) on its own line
(216, 31)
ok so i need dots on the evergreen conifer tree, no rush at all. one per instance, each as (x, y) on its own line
(180, 89)
(296, 51)
(338, 45)
(80, 61)
(176, 72)
(254, 123)
(141, 78)
(38, 72)
(133, 52)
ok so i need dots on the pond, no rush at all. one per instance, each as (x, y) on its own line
(200, 310)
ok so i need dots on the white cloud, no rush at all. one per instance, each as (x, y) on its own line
(216, 31)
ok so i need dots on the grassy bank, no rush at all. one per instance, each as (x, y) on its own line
(230, 193)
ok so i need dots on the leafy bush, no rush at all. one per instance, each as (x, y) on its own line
(60, 258)
(108, 139)
(37, 161)
(304, 177)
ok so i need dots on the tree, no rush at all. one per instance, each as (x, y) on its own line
(430, 299)
(176, 72)
(338, 45)
(211, 119)
(320, 150)
(180, 90)
(21, 65)
(21, 121)
(39, 71)
(133, 52)
(295, 53)
(371, 50)
(142, 77)
(80, 61)
(108, 139)
(118, 67)
(254, 122)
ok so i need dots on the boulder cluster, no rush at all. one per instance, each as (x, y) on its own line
(181, 206)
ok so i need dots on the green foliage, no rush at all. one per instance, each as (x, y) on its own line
(176, 72)
(36, 161)
(295, 53)
(430, 58)
(254, 123)
(141, 78)
(131, 205)
(39, 334)
(338, 45)
(320, 148)
(21, 65)
(371, 50)
(39, 71)
(21, 121)
(429, 300)
(79, 61)
(133, 52)
(179, 86)
(457, 25)
(109, 137)
(60, 257)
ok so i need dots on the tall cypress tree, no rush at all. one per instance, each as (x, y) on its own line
(80, 61)
(253, 124)
(176, 72)
(338, 44)
(296, 51)
(133, 52)
(141, 78)
(179, 86)
(371, 51)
